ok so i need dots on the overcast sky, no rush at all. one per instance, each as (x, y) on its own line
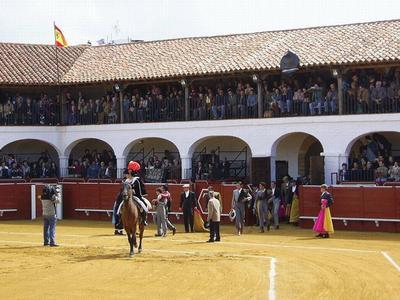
(28, 21)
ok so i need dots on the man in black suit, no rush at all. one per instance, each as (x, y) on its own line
(276, 201)
(188, 203)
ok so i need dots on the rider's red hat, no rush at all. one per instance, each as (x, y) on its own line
(134, 166)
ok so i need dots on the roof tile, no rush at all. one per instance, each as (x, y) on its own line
(331, 45)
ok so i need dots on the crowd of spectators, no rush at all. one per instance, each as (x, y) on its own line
(297, 96)
(94, 165)
(373, 161)
(43, 167)
(367, 94)
(168, 167)
(211, 167)
(21, 110)
(149, 104)
(364, 91)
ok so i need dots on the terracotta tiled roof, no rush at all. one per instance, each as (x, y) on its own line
(375, 42)
(34, 64)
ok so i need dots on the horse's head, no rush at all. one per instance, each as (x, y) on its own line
(126, 191)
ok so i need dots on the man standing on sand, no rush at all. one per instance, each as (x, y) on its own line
(49, 199)
(276, 201)
(214, 218)
(188, 203)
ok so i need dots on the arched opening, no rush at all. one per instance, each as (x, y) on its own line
(373, 157)
(91, 158)
(298, 155)
(29, 158)
(159, 158)
(221, 158)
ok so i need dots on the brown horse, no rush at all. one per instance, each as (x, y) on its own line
(131, 219)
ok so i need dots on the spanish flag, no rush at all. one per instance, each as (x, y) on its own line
(59, 37)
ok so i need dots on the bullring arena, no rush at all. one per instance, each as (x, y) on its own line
(291, 126)
(289, 263)
(284, 264)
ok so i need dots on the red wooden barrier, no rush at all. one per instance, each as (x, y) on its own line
(199, 185)
(15, 196)
(44, 180)
(350, 202)
(12, 180)
(70, 200)
(73, 179)
(355, 202)
(101, 196)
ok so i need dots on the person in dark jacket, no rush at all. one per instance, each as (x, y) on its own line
(276, 201)
(187, 205)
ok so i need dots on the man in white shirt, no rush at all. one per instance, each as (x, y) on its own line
(214, 218)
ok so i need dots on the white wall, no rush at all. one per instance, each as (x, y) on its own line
(288, 150)
(392, 137)
(159, 146)
(262, 135)
(225, 143)
(30, 150)
(92, 144)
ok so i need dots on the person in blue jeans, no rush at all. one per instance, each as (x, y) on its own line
(49, 199)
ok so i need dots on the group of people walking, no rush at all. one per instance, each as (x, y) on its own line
(270, 205)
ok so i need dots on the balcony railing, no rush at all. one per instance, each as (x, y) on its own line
(200, 108)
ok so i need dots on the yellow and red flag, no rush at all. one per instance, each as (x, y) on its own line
(59, 37)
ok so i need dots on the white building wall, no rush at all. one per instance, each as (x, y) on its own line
(156, 144)
(29, 149)
(288, 149)
(335, 133)
(90, 144)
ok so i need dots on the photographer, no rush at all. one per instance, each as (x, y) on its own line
(49, 198)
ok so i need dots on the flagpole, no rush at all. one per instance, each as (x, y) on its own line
(58, 76)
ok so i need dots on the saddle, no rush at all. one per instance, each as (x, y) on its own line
(138, 204)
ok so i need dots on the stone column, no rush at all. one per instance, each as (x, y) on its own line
(333, 162)
(273, 168)
(63, 166)
(121, 165)
(186, 165)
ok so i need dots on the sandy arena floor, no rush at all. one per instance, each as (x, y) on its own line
(285, 264)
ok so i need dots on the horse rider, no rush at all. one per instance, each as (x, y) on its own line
(138, 187)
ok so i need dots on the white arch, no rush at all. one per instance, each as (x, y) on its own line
(68, 149)
(127, 148)
(276, 143)
(351, 143)
(194, 145)
(6, 143)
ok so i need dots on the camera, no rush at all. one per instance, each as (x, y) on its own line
(51, 192)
